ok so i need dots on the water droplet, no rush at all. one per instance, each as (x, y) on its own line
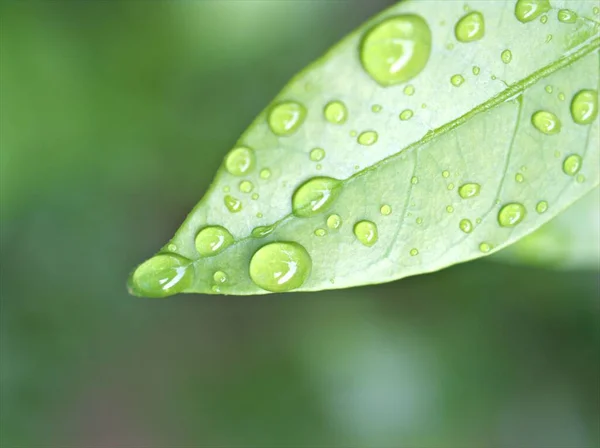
(584, 106)
(280, 267)
(493, 77)
(450, 46)
(519, 178)
(561, 96)
(506, 56)
(414, 252)
(406, 115)
(213, 240)
(414, 180)
(315, 196)
(255, 196)
(557, 154)
(319, 167)
(549, 89)
(469, 190)
(376, 108)
(567, 16)
(234, 205)
(385, 210)
(572, 164)
(470, 27)
(259, 215)
(367, 138)
(317, 154)
(262, 231)
(478, 220)
(172, 247)
(450, 186)
(446, 174)
(335, 112)
(485, 247)
(246, 186)
(220, 277)
(265, 173)
(546, 122)
(409, 90)
(476, 70)
(465, 225)
(396, 49)
(239, 161)
(320, 232)
(334, 222)
(449, 209)
(548, 38)
(457, 80)
(226, 189)
(541, 207)
(528, 10)
(511, 214)
(419, 220)
(161, 276)
(580, 178)
(353, 133)
(285, 118)
(596, 10)
(366, 232)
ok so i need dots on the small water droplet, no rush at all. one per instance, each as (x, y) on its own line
(239, 161)
(367, 138)
(172, 247)
(406, 115)
(450, 46)
(419, 220)
(414, 180)
(161, 276)
(511, 214)
(493, 77)
(280, 267)
(469, 190)
(366, 232)
(376, 108)
(470, 27)
(449, 209)
(485, 247)
(519, 178)
(320, 232)
(584, 106)
(265, 173)
(246, 186)
(285, 118)
(549, 89)
(335, 112)
(317, 154)
(414, 252)
(446, 174)
(544, 19)
(409, 90)
(561, 96)
(385, 210)
(572, 164)
(557, 154)
(450, 186)
(262, 231)
(226, 189)
(396, 49)
(580, 178)
(476, 70)
(546, 122)
(465, 225)
(353, 133)
(506, 56)
(234, 205)
(478, 220)
(541, 207)
(457, 80)
(255, 196)
(567, 16)
(259, 215)
(220, 277)
(334, 222)
(213, 240)
(315, 196)
(528, 10)
(596, 10)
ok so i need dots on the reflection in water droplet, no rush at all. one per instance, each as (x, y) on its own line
(246, 186)
(385, 210)
(469, 190)
(262, 231)
(567, 16)
(528, 10)
(334, 222)
(584, 106)
(396, 49)
(335, 112)
(506, 56)
(541, 207)
(511, 214)
(409, 90)
(367, 138)
(265, 173)
(406, 114)
(234, 205)
(315, 196)
(317, 154)
(239, 161)
(220, 277)
(285, 118)
(485, 247)
(161, 276)
(572, 164)
(366, 232)
(465, 225)
(457, 80)
(413, 252)
(546, 122)
(213, 240)
(470, 27)
(280, 267)
(320, 232)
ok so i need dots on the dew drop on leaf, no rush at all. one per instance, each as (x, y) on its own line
(262, 231)
(212, 240)
(519, 178)
(220, 277)
(561, 96)
(511, 214)
(476, 70)
(315, 196)
(506, 56)
(572, 164)
(334, 222)
(485, 247)
(385, 210)
(469, 190)
(528, 10)
(409, 90)
(239, 161)
(414, 180)
(172, 247)
(265, 173)
(413, 252)
(376, 108)
(541, 207)
(285, 118)
(450, 209)
(584, 106)
(366, 232)
(397, 49)
(457, 80)
(567, 16)
(246, 186)
(367, 138)
(234, 205)
(445, 174)
(548, 89)
(470, 27)
(580, 178)
(320, 232)
(406, 114)
(161, 276)
(280, 267)
(546, 122)
(465, 225)
(255, 196)
(335, 112)
(317, 154)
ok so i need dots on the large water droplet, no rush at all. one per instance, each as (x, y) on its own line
(239, 161)
(335, 112)
(397, 49)
(546, 122)
(469, 190)
(367, 138)
(584, 106)
(317, 154)
(528, 10)
(511, 214)
(285, 118)
(366, 232)
(572, 164)
(541, 207)
(212, 240)
(234, 205)
(567, 16)
(161, 276)
(334, 222)
(315, 196)
(280, 267)
(470, 27)
(465, 225)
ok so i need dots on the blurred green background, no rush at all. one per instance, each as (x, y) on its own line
(114, 116)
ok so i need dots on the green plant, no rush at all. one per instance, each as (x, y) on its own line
(429, 136)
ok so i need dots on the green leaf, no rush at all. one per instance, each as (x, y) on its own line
(430, 136)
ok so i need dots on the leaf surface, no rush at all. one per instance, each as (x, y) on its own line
(430, 136)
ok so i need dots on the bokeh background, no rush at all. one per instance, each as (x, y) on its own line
(114, 116)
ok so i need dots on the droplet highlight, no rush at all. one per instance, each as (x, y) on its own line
(161, 276)
(285, 118)
(280, 267)
(470, 27)
(465, 225)
(469, 190)
(528, 10)
(567, 16)
(239, 161)
(213, 240)
(315, 196)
